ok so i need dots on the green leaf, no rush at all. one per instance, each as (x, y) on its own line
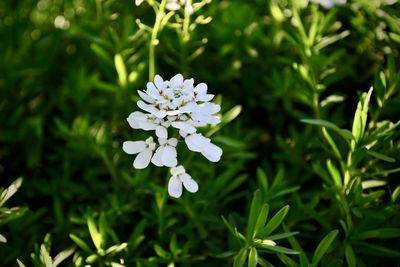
(275, 221)
(81, 244)
(20, 264)
(60, 257)
(380, 156)
(323, 246)
(121, 70)
(255, 208)
(253, 256)
(240, 258)
(379, 233)
(360, 117)
(10, 191)
(347, 135)
(396, 193)
(282, 235)
(262, 179)
(287, 261)
(279, 249)
(161, 252)
(350, 257)
(231, 114)
(335, 174)
(261, 220)
(94, 234)
(369, 248)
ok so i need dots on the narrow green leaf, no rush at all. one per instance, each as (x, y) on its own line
(229, 226)
(255, 208)
(335, 174)
(287, 261)
(379, 233)
(323, 246)
(395, 194)
(347, 135)
(261, 220)
(121, 69)
(350, 257)
(160, 251)
(275, 221)
(262, 179)
(380, 156)
(20, 264)
(240, 258)
(253, 256)
(94, 233)
(372, 184)
(279, 249)
(10, 191)
(81, 244)
(360, 117)
(282, 235)
(335, 263)
(60, 257)
(231, 114)
(369, 248)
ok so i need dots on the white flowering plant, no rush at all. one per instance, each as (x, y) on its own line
(173, 109)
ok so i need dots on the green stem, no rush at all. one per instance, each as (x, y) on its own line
(154, 41)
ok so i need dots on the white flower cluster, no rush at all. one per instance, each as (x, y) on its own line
(329, 3)
(174, 104)
(174, 5)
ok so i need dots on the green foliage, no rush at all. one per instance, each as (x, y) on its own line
(310, 119)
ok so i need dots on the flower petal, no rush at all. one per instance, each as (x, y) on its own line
(142, 160)
(201, 88)
(176, 80)
(196, 142)
(161, 132)
(168, 156)
(184, 126)
(175, 171)
(175, 187)
(157, 157)
(159, 82)
(146, 97)
(133, 147)
(189, 183)
(212, 152)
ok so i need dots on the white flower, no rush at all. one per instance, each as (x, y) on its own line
(174, 5)
(179, 177)
(144, 149)
(198, 143)
(329, 3)
(149, 122)
(165, 154)
(138, 2)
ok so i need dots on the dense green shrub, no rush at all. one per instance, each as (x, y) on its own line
(310, 133)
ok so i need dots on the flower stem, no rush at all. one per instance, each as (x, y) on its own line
(154, 41)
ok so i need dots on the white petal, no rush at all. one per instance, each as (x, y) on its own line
(138, 2)
(205, 97)
(209, 108)
(173, 112)
(185, 126)
(159, 82)
(189, 8)
(172, 6)
(134, 118)
(175, 187)
(161, 132)
(172, 142)
(133, 147)
(142, 160)
(189, 183)
(168, 157)
(201, 88)
(157, 157)
(152, 90)
(146, 97)
(176, 80)
(178, 170)
(196, 142)
(212, 152)
(3, 239)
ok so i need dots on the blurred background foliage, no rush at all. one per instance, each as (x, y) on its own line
(299, 129)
